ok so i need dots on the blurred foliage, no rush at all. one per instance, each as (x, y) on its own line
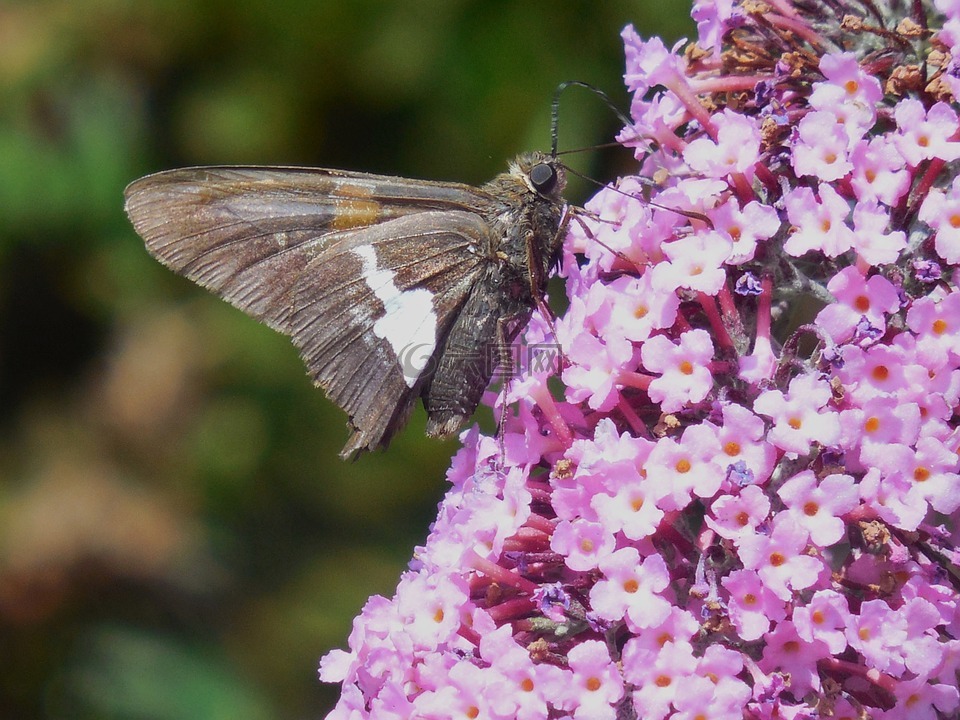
(178, 538)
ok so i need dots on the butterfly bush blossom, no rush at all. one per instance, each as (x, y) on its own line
(741, 497)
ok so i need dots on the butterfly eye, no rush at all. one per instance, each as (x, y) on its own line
(544, 177)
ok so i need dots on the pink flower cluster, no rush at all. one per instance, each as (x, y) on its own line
(743, 502)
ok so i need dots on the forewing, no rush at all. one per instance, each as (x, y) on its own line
(247, 233)
(372, 309)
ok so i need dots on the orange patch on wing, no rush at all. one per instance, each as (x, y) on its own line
(354, 213)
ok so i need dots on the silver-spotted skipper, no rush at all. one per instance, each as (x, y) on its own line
(391, 288)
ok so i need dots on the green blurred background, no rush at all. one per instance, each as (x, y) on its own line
(178, 538)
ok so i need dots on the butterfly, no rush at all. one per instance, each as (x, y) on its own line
(392, 289)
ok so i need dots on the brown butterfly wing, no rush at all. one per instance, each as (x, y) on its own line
(331, 259)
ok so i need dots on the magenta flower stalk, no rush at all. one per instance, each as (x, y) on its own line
(744, 501)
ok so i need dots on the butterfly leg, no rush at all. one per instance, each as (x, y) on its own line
(509, 367)
(538, 277)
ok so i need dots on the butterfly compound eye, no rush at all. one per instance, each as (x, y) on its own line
(544, 177)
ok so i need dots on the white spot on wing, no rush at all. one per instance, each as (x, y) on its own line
(409, 322)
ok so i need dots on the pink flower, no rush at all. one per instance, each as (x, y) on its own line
(679, 627)
(527, 689)
(595, 686)
(847, 78)
(872, 372)
(932, 469)
(759, 365)
(465, 695)
(624, 229)
(737, 516)
(430, 609)
(820, 223)
(736, 149)
(742, 440)
(649, 62)
(661, 681)
(857, 297)
(941, 211)
(779, 558)
(633, 507)
(800, 416)
(871, 240)
(686, 468)
(744, 228)
(684, 375)
(752, 606)
(819, 506)
(920, 699)
(821, 148)
(825, 618)
(700, 698)
(631, 308)
(937, 326)
(879, 171)
(787, 653)
(925, 135)
(878, 632)
(582, 543)
(711, 18)
(695, 263)
(593, 375)
(882, 422)
(894, 499)
(630, 589)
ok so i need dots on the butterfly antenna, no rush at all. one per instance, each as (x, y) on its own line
(555, 109)
(692, 214)
(627, 123)
(591, 148)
